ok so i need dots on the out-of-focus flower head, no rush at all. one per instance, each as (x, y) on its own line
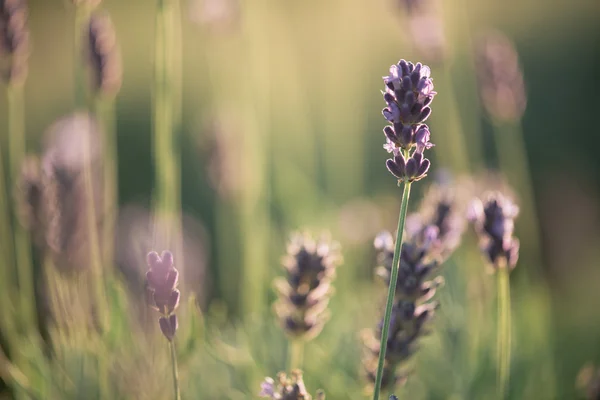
(500, 77)
(304, 294)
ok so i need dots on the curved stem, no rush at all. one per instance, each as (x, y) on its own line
(296, 352)
(16, 153)
(392, 289)
(177, 394)
(504, 330)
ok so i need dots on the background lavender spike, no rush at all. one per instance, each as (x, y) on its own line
(493, 220)
(104, 55)
(287, 388)
(304, 294)
(162, 279)
(14, 41)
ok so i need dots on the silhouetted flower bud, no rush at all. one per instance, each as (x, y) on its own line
(500, 78)
(161, 280)
(493, 220)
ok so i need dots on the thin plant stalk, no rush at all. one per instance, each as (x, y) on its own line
(166, 103)
(255, 224)
(512, 157)
(174, 369)
(83, 12)
(105, 113)
(391, 290)
(504, 330)
(296, 351)
(96, 280)
(22, 253)
(6, 251)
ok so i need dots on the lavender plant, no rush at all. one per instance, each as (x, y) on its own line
(493, 220)
(162, 279)
(430, 238)
(287, 388)
(104, 60)
(14, 53)
(502, 92)
(408, 94)
(304, 294)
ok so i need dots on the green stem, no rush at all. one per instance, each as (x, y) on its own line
(296, 352)
(177, 394)
(504, 330)
(16, 143)
(391, 290)
(82, 16)
(166, 110)
(105, 113)
(512, 156)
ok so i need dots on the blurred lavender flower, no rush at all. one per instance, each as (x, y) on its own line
(304, 294)
(408, 94)
(412, 306)
(588, 381)
(425, 29)
(51, 193)
(287, 388)
(104, 55)
(14, 41)
(138, 230)
(435, 233)
(493, 220)
(500, 77)
(216, 15)
(440, 215)
(427, 35)
(65, 198)
(163, 296)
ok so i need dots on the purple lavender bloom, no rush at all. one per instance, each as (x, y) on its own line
(413, 306)
(493, 220)
(408, 94)
(163, 296)
(267, 388)
(500, 77)
(303, 296)
(14, 41)
(287, 387)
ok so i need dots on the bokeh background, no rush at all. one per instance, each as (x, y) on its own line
(281, 130)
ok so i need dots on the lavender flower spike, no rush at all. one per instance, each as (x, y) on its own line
(493, 220)
(408, 94)
(303, 296)
(163, 295)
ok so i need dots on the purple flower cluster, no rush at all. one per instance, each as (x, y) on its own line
(434, 234)
(408, 94)
(440, 219)
(304, 295)
(287, 388)
(493, 220)
(163, 295)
